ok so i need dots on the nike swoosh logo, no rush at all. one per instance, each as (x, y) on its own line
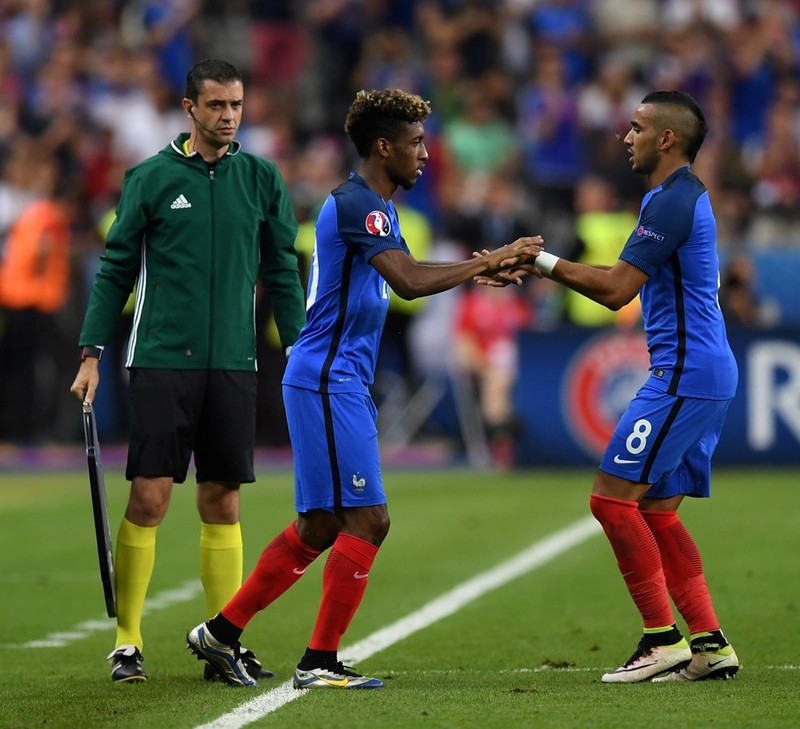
(359, 576)
(334, 681)
(637, 667)
(617, 459)
(299, 571)
(716, 663)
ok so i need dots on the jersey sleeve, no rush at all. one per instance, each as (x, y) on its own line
(365, 223)
(665, 223)
(119, 264)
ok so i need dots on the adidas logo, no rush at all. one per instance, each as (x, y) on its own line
(180, 202)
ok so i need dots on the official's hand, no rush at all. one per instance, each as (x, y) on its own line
(86, 381)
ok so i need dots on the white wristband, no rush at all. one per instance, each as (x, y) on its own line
(546, 262)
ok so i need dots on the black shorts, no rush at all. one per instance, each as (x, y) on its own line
(175, 414)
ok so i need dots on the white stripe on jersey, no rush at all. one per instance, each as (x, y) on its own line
(313, 281)
(138, 306)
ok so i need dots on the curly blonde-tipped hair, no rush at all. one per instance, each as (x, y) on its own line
(376, 114)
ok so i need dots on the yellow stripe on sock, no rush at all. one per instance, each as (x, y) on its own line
(650, 631)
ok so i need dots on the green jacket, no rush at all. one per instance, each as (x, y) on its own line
(196, 239)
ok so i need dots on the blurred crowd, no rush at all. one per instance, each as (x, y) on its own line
(527, 96)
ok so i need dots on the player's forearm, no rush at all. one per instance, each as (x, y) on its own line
(593, 282)
(433, 278)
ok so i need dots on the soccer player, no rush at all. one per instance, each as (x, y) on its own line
(197, 225)
(661, 449)
(358, 257)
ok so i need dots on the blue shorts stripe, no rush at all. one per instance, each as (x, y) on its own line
(662, 434)
(335, 445)
(332, 458)
(667, 442)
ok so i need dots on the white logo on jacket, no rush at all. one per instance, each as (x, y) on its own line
(180, 202)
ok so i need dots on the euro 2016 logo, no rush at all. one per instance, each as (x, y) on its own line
(601, 380)
(378, 223)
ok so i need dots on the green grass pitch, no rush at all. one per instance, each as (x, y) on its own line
(527, 653)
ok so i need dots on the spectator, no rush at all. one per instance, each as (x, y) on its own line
(599, 226)
(737, 297)
(166, 27)
(485, 348)
(278, 42)
(481, 140)
(604, 105)
(775, 167)
(553, 157)
(631, 29)
(34, 287)
(487, 322)
(565, 25)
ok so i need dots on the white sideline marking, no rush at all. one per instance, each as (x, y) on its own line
(441, 607)
(167, 598)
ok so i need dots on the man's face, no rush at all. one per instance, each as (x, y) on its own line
(643, 140)
(218, 112)
(408, 156)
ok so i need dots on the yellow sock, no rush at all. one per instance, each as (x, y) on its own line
(136, 555)
(220, 563)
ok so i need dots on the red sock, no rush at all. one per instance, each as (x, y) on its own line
(344, 581)
(683, 569)
(637, 556)
(280, 565)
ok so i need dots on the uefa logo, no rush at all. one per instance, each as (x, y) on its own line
(601, 380)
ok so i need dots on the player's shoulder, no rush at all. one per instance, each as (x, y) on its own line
(677, 195)
(358, 209)
(355, 197)
(356, 189)
(685, 184)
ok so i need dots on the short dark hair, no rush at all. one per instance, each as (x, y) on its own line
(210, 69)
(376, 114)
(690, 123)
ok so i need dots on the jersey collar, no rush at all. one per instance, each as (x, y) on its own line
(181, 145)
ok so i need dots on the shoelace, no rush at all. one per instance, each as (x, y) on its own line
(641, 651)
(340, 668)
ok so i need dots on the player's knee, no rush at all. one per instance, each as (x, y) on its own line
(596, 507)
(218, 502)
(146, 511)
(381, 528)
(611, 512)
(370, 524)
(148, 501)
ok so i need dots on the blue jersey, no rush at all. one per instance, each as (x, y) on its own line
(346, 298)
(675, 244)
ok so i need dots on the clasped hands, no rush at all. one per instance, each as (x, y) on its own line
(511, 263)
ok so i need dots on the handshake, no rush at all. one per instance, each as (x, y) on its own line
(512, 262)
